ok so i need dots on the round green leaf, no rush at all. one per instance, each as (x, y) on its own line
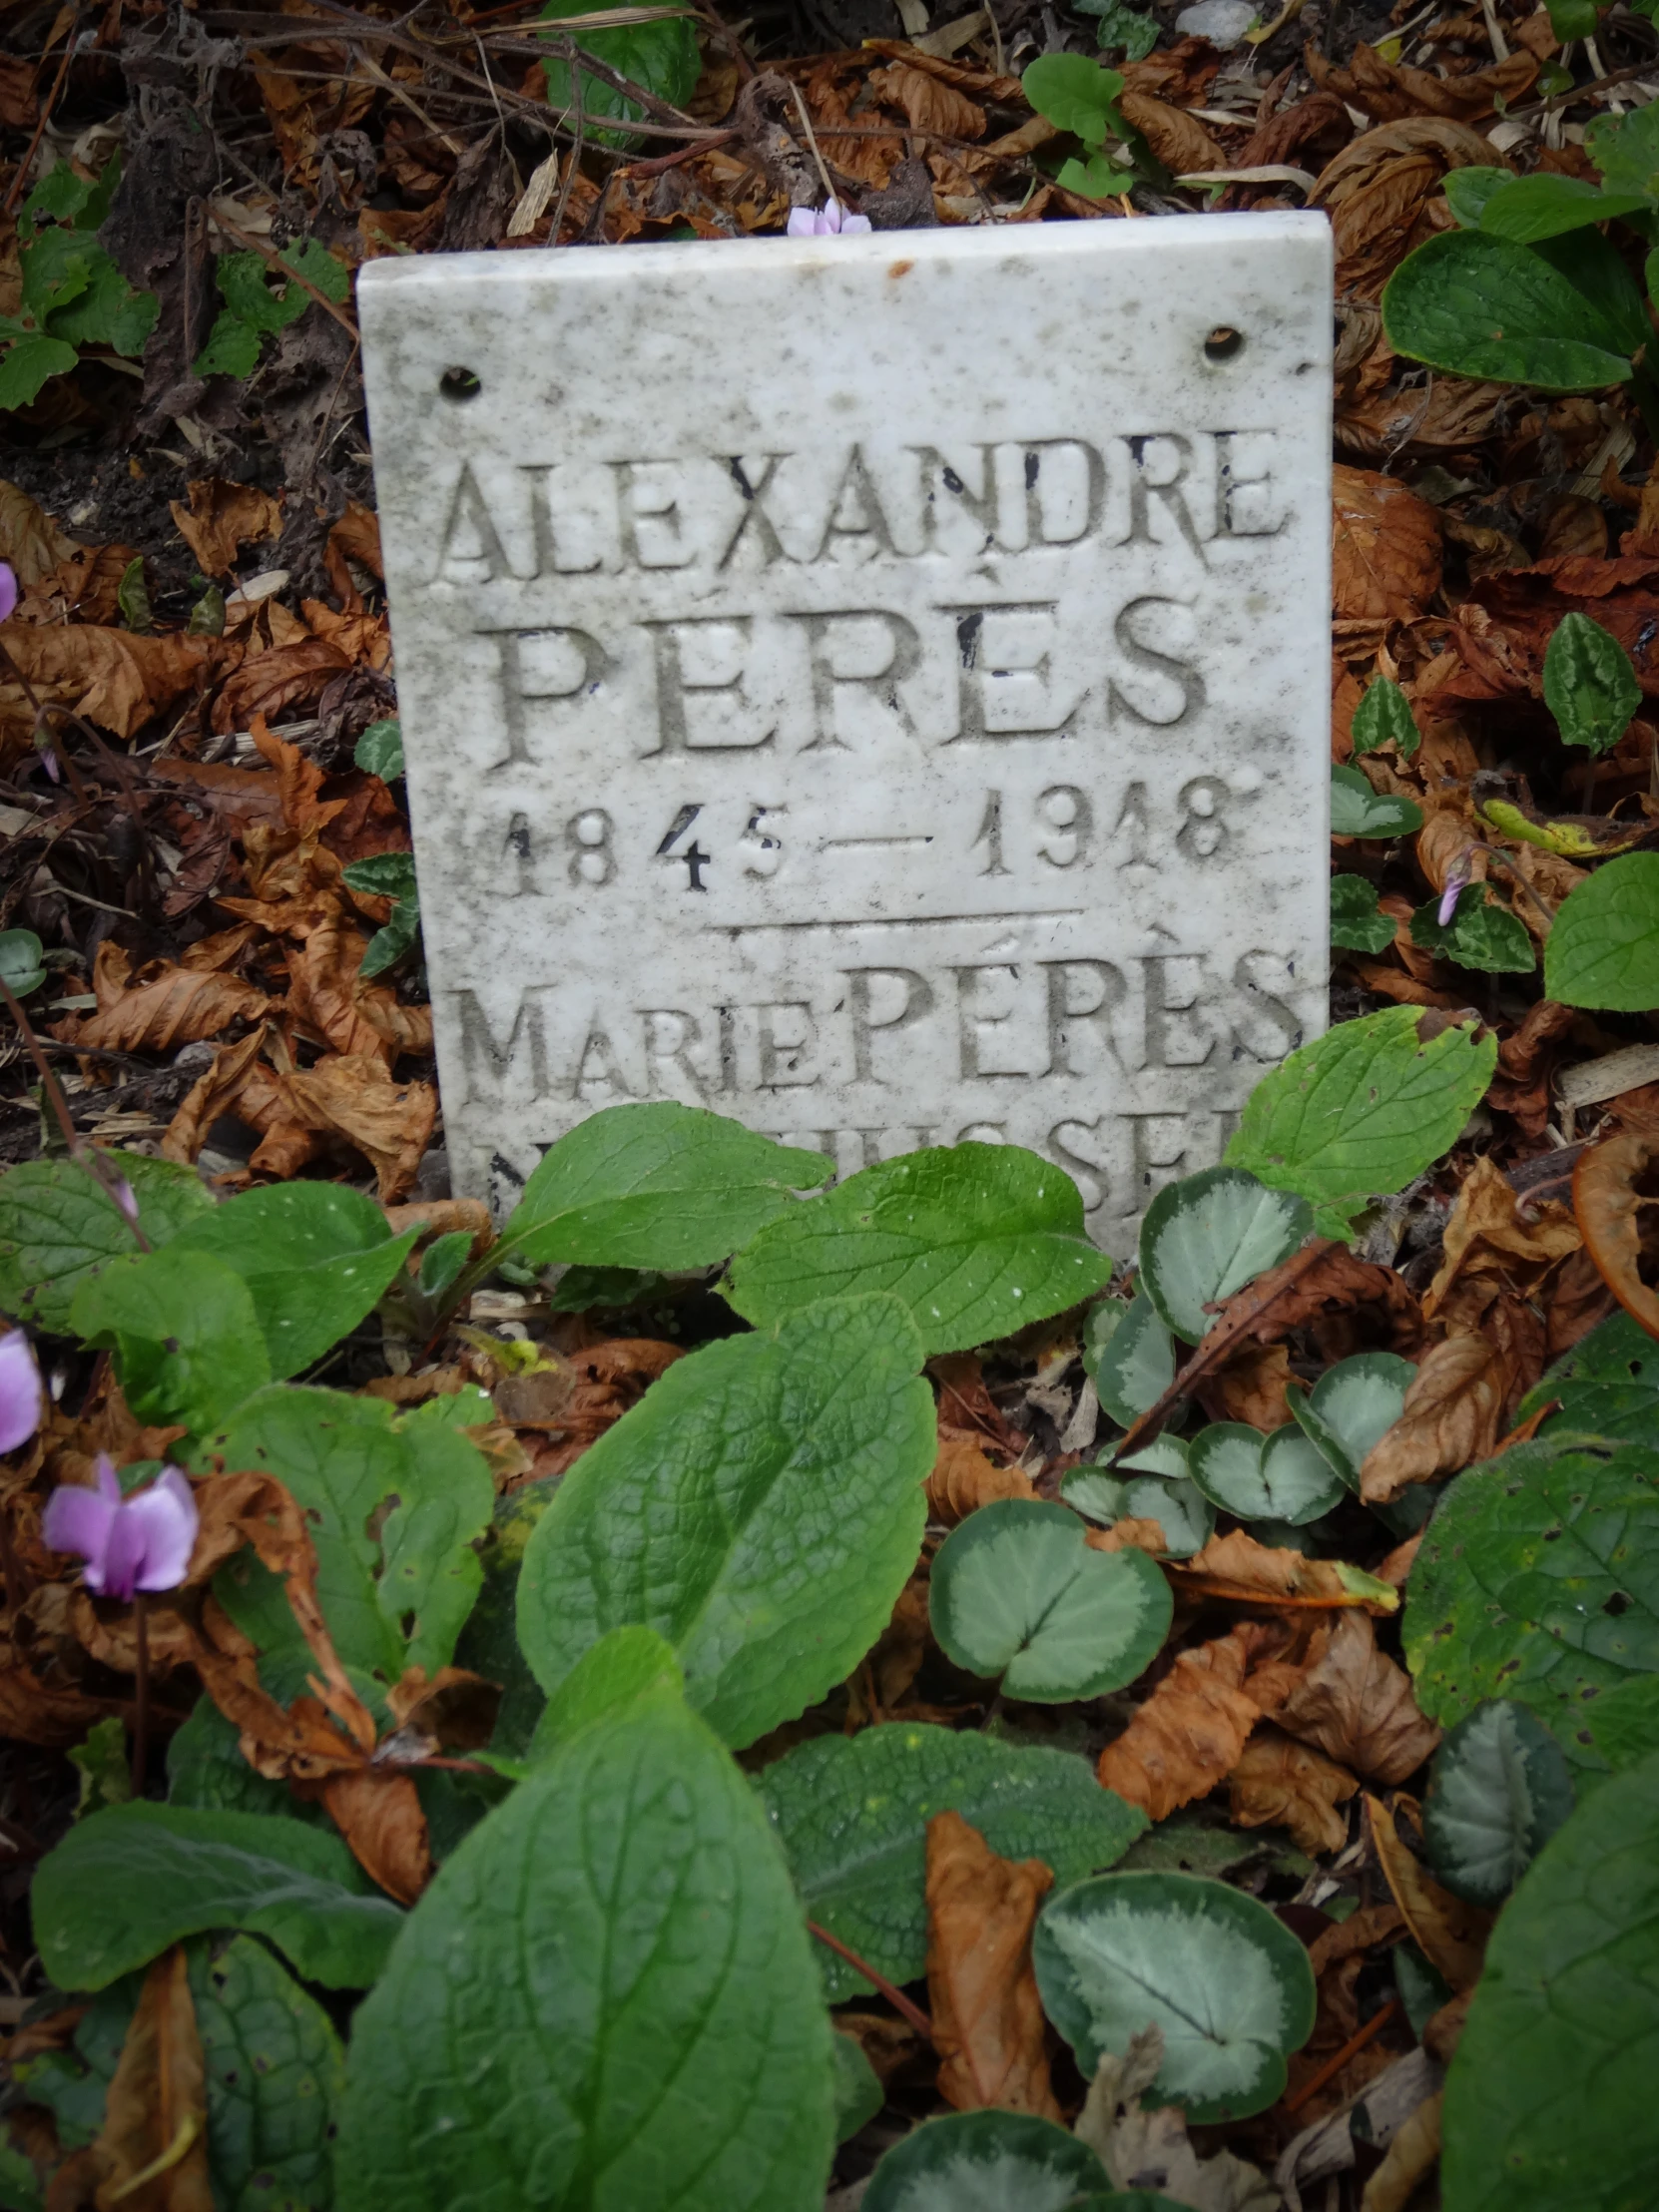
(759, 1507)
(606, 1995)
(1136, 1363)
(1226, 1463)
(1545, 207)
(1351, 1407)
(1301, 1484)
(1016, 1591)
(20, 961)
(1549, 2103)
(1500, 1789)
(1484, 306)
(1225, 1980)
(1604, 948)
(1152, 1485)
(1538, 1580)
(984, 2162)
(1074, 94)
(976, 1239)
(1179, 1507)
(852, 1814)
(1209, 1235)
(1359, 811)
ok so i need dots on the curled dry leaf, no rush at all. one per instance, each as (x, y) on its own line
(1179, 140)
(930, 105)
(1188, 1735)
(222, 517)
(1384, 548)
(31, 543)
(1236, 1566)
(610, 1378)
(455, 1709)
(1393, 89)
(966, 1408)
(379, 1814)
(981, 1989)
(1280, 1781)
(1251, 1388)
(1149, 2150)
(157, 1007)
(1409, 2160)
(1380, 192)
(209, 1097)
(1362, 1930)
(1357, 1704)
(1452, 1416)
(156, 2112)
(1606, 1200)
(964, 1480)
(1489, 1246)
(1129, 1534)
(114, 676)
(1450, 1934)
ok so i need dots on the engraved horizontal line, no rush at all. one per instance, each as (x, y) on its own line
(917, 922)
(856, 844)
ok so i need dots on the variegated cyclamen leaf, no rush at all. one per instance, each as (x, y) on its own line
(1302, 1484)
(1500, 1789)
(1226, 1980)
(1136, 1365)
(1208, 1236)
(989, 2161)
(1351, 1407)
(1016, 1591)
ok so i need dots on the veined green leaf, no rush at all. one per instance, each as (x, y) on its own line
(1501, 1787)
(1357, 810)
(1384, 716)
(988, 2161)
(977, 1240)
(761, 1507)
(187, 1343)
(275, 2073)
(852, 1812)
(660, 57)
(1136, 1365)
(58, 1228)
(638, 2022)
(125, 1884)
(1074, 94)
(1542, 206)
(1482, 933)
(1478, 306)
(1604, 948)
(1356, 924)
(1591, 686)
(1351, 1407)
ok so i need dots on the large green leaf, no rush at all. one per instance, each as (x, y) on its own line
(1017, 1591)
(187, 1343)
(985, 2161)
(1357, 810)
(761, 1507)
(976, 1239)
(1482, 933)
(315, 1258)
(1500, 1789)
(125, 1882)
(1625, 148)
(1549, 2103)
(430, 1574)
(605, 1999)
(58, 1227)
(660, 57)
(1591, 686)
(1604, 948)
(1207, 1236)
(1542, 206)
(1221, 1974)
(852, 1812)
(1538, 1580)
(656, 1186)
(1485, 306)
(1361, 1110)
(275, 2073)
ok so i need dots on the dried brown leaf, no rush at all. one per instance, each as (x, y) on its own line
(379, 1814)
(1410, 2157)
(1606, 1202)
(981, 1989)
(113, 676)
(930, 105)
(1179, 140)
(1395, 90)
(1452, 1416)
(156, 2112)
(1357, 1704)
(1188, 1735)
(964, 1480)
(1450, 1934)
(31, 543)
(222, 518)
(1236, 1566)
(1280, 1781)
(157, 1007)
(1385, 549)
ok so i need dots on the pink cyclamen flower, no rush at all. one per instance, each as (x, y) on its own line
(142, 1543)
(830, 220)
(22, 1397)
(1455, 884)
(126, 1200)
(8, 591)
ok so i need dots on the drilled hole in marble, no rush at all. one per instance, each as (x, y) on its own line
(1223, 345)
(459, 383)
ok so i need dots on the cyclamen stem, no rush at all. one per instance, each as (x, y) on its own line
(141, 1694)
(895, 1998)
(84, 1155)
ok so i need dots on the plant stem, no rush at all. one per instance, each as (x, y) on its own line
(141, 1694)
(902, 2005)
(1334, 2064)
(83, 1154)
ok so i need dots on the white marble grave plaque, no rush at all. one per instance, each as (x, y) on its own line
(876, 688)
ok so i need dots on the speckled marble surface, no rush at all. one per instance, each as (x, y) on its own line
(876, 687)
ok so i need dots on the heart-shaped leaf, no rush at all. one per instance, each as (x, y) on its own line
(1136, 1363)
(1016, 1591)
(187, 1341)
(1356, 922)
(1222, 1976)
(1500, 1789)
(1209, 1235)
(852, 1812)
(976, 1239)
(20, 961)
(1281, 1478)
(1151, 1486)
(1359, 811)
(1351, 1407)
(759, 1507)
(984, 2162)
(58, 1227)
(1301, 1483)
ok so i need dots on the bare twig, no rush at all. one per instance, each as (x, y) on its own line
(273, 260)
(45, 107)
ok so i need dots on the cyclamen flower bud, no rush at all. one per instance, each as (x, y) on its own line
(1455, 884)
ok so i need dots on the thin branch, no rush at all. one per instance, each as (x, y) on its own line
(902, 2005)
